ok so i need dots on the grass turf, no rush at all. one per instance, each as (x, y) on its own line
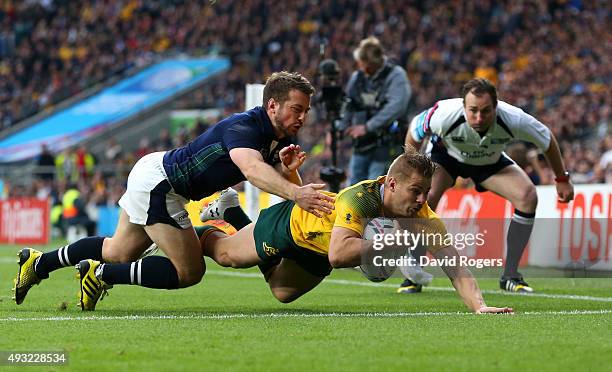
(230, 321)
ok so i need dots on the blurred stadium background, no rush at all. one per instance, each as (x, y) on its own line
(88, 87)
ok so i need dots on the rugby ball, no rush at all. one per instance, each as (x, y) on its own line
(371, 263)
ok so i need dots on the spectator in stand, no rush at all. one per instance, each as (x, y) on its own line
(547, 56)
(163, 141)
(604, 169)
(144, 148)
(84, 162)
(200, 127)
(46, 161)
(65, 167)
(74, 211)
(113, 151)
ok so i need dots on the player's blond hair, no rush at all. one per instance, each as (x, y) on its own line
(411, 160)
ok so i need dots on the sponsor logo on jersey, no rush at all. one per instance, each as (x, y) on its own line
(348, 218)
(457, 139)
(182, 218)
(311, 235)
(477, 154)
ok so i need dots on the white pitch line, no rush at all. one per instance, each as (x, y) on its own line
(286, 315)
(443, 289)
(387, 285)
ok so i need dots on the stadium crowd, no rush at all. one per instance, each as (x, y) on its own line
(551, 58)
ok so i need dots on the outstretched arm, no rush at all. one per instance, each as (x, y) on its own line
(346, 247)
(265, 177)
(466, 285)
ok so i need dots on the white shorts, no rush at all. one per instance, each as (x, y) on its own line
(150, 199)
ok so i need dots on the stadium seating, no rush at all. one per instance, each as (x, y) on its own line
(545, 56)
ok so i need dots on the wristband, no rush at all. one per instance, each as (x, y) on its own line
(564, 178)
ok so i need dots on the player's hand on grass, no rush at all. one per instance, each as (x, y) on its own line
(292, 157)
(565, 191)
(311, 200)
(494, 310)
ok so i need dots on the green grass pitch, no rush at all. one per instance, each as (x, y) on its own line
(230, 321)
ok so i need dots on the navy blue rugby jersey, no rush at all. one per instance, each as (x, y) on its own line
(203, 166)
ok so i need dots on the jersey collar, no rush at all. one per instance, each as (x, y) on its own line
(267, 123)
(484, 140)
(382, 179)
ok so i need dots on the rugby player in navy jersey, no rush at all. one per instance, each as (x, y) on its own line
(254, 145)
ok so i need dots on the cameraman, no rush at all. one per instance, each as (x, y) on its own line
(378, 94)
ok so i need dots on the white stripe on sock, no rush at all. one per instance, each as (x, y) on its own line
(132, 268)
(65, 253)
(60, 256)
(523, 220)
(139, 272)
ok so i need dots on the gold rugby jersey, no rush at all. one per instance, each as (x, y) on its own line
(354, 206)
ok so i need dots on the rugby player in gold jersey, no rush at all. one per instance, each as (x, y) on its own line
(296, 250)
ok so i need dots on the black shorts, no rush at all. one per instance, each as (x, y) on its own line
(273, 241)
(478, 173)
